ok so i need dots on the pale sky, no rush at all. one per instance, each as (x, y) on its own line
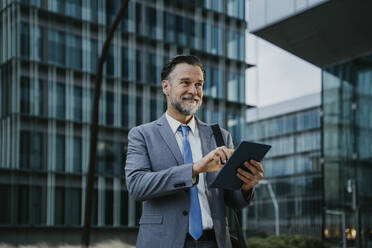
(277, 75)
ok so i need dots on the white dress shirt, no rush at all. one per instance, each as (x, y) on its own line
(196, 150)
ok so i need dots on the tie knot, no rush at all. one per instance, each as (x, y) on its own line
(184, 129)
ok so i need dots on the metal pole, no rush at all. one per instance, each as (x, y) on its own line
(276, 208)
(85, 239)
(275, 203)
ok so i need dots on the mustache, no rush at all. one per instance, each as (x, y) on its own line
(190, 97)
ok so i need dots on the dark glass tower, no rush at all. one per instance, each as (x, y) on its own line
(48, 57)
(347, 151)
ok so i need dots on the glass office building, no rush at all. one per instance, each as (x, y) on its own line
(48, 57)
(347, 150)
(292, 167)
(336, 36)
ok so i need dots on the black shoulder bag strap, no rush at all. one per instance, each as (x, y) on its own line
(237, 242)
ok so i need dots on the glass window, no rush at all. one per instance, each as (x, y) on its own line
(236, 8)
(118, 160)
(234, 127)
(56, 47)
(31, 150)
(94, 215)
(73, 206)
(78, 101)
(205, 28)
(36, 151)
(40, 96)
(240, 46)
(74, 51)
(110, 108)
(241, 9)
(77, 155)
(109, 207)
(127, 21)
(110, 60)
(23, 205)
(37, 43)
(152, 69)
(73, 8)
(60, 153)
(36, 207)
(153, 109)
(36, 3)
(308, 141)
(151, 22)
(2, 59)
(139, 19)
(191, 33)
(25, 40)
(139, 110)
(108, 158)
(125, 62)
(59, 206)
(181, 30)
(61, 101)
(232, 45)
(216, 117)
(241, 83)
(169, 27)
(93, 10)
(138, 66)
(5, 206)
(232, 87)
(217, 5)
(25, 144)
(112, 7)
(25, 95)
(124, 110)
(124, 208)
(216, 45)
(236, 87)
(94, 56)
(214, 83)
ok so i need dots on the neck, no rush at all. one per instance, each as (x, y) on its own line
(184, 119)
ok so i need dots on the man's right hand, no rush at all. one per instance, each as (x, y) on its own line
(212, 161)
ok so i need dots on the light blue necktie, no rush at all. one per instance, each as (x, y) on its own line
(195, 218)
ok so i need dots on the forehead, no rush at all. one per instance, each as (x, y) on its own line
(186, 70)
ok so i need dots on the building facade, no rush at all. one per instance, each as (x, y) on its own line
(49, 51)
(335, 36)
(292, 166)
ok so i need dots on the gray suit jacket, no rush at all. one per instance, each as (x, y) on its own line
(156, 174)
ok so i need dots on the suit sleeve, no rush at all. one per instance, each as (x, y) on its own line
(143, 183)
(235, 198)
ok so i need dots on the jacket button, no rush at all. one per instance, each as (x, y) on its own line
(185, 213)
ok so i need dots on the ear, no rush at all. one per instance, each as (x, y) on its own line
(165, 87)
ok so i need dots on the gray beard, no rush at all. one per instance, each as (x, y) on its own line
(182, 109)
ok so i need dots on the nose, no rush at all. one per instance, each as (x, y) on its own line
(192, 89)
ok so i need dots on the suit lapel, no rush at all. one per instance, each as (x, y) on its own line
(169, 138)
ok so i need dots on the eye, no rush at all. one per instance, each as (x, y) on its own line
(199, 85)
(185, 82)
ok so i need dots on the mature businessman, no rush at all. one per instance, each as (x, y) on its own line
(170, 163)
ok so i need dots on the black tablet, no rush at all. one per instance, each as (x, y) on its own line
(226, 177)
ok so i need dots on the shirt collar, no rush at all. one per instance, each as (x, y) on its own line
(174, 124)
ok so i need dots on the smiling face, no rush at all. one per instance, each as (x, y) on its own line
(184, 90)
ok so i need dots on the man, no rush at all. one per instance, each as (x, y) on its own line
(170, 163)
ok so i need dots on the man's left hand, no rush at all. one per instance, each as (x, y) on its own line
(250, 179)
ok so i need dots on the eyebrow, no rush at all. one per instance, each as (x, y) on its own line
(188, 79)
